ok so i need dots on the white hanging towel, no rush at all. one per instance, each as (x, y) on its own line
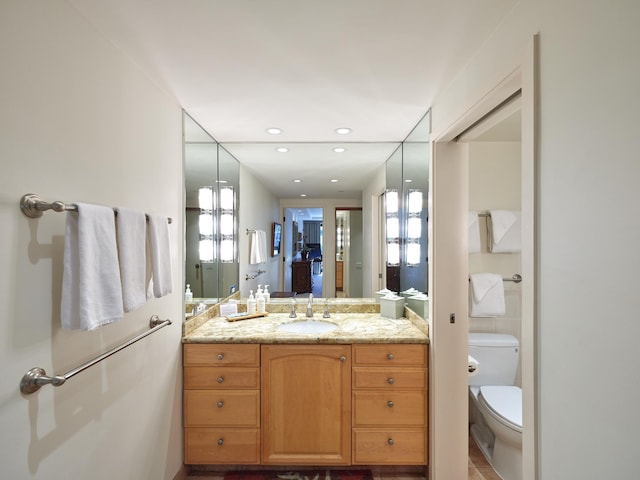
(474, 233)
(131, 232)
(91, 288)
(160, 253)
(505, 231)
(486, 295)
(258, 248)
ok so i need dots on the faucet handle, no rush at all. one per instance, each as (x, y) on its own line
(293, 309)
(326, 313)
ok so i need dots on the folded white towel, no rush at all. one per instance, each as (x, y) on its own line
(474, 233)
(91, 288)
(505, 231)
(131, 230)
(258, 247)
(160, 252)
(486, 295)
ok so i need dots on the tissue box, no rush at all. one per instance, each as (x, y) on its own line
(410, 292)
(381, 293)
(419, 304)
(392, 306)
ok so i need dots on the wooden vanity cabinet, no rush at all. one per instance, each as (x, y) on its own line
(306, 404)
(221, 404)
(389, 404)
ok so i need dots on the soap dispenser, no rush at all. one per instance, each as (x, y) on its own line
(251, 304)
(266, 294)
(188, 295)
(260, 303)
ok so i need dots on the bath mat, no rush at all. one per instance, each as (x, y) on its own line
(315, 474)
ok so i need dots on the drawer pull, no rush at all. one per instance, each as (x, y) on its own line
(390, 441)
(389, 356)
(220, 379)
(390, 381)
(343, 359)
(220, 356)
(390, 403)
(220, 441)
(220, 404)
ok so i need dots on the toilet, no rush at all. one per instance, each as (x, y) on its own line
(495, 404)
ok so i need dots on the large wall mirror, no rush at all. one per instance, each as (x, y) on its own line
(406, 212)
(211, 203)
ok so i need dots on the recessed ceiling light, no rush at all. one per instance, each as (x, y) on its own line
(408, 180)
(334, 180)
(282, 149)
(274, 131)
(303, 194)
(339, 149)
(296, 180)
(343, 130)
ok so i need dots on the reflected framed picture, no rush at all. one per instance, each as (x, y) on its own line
(276, 238)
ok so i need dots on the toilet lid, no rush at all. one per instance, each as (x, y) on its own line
(505, 401)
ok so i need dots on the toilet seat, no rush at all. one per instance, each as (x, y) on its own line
(504, 402)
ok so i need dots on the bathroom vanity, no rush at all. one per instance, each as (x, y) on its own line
(257, 394)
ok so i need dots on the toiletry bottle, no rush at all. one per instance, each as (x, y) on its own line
(188, 295)
(267, 294)
(260, 304)
(251, 304)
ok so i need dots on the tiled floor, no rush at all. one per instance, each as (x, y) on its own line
(479, 468)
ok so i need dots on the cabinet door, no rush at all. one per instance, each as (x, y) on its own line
(306, 407)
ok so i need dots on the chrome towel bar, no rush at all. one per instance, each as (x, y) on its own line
(516, 278)
(37, 377)
(32, 206)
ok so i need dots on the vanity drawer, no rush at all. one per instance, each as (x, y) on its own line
(389, 408)
(221, 446)
(222, 377)
(232, 408)
(390, 354)
(389, 446)
(222, 354)
(382, 378)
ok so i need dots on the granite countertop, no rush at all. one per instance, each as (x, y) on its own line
(353, 327)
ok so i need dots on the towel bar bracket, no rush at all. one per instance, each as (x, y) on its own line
(37, 376)
(32, 206)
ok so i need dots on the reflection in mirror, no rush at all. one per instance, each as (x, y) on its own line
(406, 212)
(211, 189)
(349, 281)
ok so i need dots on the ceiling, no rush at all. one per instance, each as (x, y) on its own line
(308, 67)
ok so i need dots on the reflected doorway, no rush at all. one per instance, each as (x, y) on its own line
(348, 267)
(303, 251)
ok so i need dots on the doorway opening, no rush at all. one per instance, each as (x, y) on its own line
(348, 262)
(303, 260)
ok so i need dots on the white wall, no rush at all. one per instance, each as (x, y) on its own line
(79, 122)
(587, 223)
(258, 210)
(494, 183)
(370, 236)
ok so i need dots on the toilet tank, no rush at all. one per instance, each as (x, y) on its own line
(497, 356)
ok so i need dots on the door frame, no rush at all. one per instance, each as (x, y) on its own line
(448, 442)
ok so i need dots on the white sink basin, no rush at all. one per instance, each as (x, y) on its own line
(306, 327)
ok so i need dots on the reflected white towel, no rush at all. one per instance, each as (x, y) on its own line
(131, 231)
(505, 231)
(160, 252)
(91, 288)
(474, 233)
(258, 248)
(486, 295)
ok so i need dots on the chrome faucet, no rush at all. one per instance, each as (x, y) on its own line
(309, 303)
